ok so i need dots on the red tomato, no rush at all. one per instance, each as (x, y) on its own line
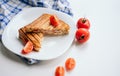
(70, 64)
(28, 48)
(54, 21)
(60, 71)
(82, 35)
(83, 23)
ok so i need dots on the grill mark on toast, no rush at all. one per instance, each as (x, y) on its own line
(23, 40)
(31, 38)
(36, 36)
(25, 36)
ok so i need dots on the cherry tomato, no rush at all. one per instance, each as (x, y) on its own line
(83, 23)
(60, 71)
(82, 35)
(28, 48)
(70, 64)
(54, 21)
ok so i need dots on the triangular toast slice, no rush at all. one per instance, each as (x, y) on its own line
(42, 24)
(35, 38)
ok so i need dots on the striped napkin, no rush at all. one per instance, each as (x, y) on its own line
(9, 8)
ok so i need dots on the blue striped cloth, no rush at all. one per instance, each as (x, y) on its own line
(9, 8)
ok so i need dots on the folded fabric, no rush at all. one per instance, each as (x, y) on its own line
(9, 8)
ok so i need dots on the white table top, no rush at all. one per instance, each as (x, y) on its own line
(100, 56)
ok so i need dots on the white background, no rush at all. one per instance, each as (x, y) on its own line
(100, 56)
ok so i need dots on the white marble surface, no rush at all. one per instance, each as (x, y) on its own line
(100, 56)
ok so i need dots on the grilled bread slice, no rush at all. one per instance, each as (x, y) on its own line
(35, 38)
(42, 24)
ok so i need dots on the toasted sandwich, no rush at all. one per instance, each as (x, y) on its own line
(42, 24)
(35, 38)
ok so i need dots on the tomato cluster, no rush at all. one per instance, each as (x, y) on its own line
(82, 34)
(69, 65)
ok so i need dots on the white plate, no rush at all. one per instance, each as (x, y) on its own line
(52, 47)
